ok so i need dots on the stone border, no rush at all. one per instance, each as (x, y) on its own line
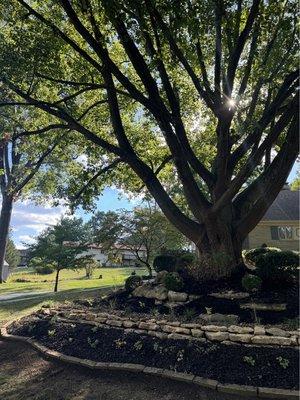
(207, 383)
(163, 329)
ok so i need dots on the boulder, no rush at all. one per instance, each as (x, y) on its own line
(160, 276)
(177, 296)
(220, 318)
(158, 292)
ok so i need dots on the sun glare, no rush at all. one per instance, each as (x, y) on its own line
(231, 103)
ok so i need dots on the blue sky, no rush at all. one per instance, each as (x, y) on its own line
(29, 219)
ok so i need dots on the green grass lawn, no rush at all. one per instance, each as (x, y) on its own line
(68, 279)
(72, 285)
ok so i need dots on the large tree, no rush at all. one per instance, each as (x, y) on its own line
(195, 99)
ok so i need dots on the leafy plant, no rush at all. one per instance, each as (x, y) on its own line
(251, 282)
(173, 281)
(253, 254)
(119, 343)
(189, 313)
(138, 345)
(92, 343)
(283, 362)
(164, 263)
(249, 360)
(51, 332)
(132, 282)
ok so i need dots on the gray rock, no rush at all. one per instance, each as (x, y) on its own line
(271, 340)
(177, 296)
(277, 332)
(240, 329)
(220, 318)
(216, 336)
(158, 292)
(238, 337)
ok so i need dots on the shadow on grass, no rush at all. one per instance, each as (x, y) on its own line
(16, 308)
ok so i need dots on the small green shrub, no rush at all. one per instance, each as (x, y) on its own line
(278, 269)
(253, 254)
(132, 282)
(249, 360)
(164, 263)
(251, 282)
(173, 282)
(44, 270)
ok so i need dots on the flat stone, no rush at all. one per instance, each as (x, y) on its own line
(140, 331)
(69, 359)
(161, 335)
(114, 322)
(101, 365)
(177, 296)
(231, 295)
(130, 324)
(162, 322)
(259, 330)
(167, 328)
(184, 331)
(173, 323)
(87, 363)
(240, 329)
(214, 328)
(204, 382)
(153, 371)
(178, 376)
(53, 353)
(197, 333)
(277, 332)
(271, 340)
(149, 326)
(89, 317)
(220, 318)
(191, 326)
(216, 336)
(132, 367)
(177, 336)
(237, 389)
(240, 337)
(40, 347)
(173, 304)
(271, 393)
(264, 306)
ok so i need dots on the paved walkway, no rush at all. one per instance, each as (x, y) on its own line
(25, 375)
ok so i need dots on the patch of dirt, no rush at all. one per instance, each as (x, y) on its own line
(30, 377)
(246, 365)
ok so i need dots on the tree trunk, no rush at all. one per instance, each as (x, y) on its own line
(5, 217)
(56, 280)
(219, 250)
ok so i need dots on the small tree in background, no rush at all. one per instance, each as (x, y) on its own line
(12, 255)
(61, 246)
(295, 184)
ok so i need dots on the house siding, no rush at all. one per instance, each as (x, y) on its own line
(261, 234)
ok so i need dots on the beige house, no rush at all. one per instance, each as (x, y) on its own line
(279, 227)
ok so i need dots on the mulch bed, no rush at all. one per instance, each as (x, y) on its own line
(246, 365)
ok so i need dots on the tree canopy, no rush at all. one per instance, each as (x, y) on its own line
(193, 100)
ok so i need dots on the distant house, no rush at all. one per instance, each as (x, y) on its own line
(116, 256)
(279, 227)
(24, 257)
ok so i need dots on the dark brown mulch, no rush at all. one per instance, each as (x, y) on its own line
(246, 365)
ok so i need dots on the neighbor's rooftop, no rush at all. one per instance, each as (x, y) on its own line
(285, 207)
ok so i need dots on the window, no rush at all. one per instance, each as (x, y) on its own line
(285, 233)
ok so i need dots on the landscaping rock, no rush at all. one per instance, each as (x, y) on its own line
(216, 336)
(177, 296)
(177, 336)
(114, 322)
(156, 292)
(264, 306)
(184, 331)
(220, 318)
(148, 326)
(130, 324)
(193, 297)
(271, 340)
(191, 326)
(240, 329)
(197, 333)
(160, 276)
(277, 332)
(214, 328)
(231, 295)
(259, 330)
(238, 337)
